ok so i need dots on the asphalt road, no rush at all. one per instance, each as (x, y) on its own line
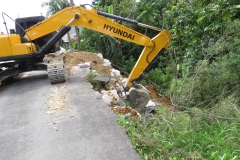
(40, 121)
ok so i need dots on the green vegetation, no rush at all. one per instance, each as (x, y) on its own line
(97, 85)
(184, 135)
(200, 73)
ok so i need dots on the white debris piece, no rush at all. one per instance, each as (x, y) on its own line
(112, 95)
(106, 62)
(151, 104)
(107, 99)
(84, 65)
(124, 81)
(115, 72)
(100, 55)
(119, 88)
(112, 74)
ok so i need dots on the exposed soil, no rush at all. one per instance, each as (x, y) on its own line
(73, 59)
(96, 63)
(154, 97)
(124, 110)
(57, 100)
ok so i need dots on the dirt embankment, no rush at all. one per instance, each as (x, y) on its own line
(96, 63)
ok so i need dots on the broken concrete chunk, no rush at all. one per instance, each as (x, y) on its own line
(119, 88)
(124, 80)
(112, 94)
(150, 103)
(116, 72)
(101, 78)
(107, 99)
(150, 107)
(100, 55)
(106, 62)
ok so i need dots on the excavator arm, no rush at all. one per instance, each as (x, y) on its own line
(95, 20)
(101, 22)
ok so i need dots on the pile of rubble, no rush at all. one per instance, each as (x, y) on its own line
(104, 73)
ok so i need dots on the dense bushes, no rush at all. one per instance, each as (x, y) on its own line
(209, 84)
(215, 78)
(159, 78)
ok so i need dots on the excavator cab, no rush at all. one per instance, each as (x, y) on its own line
(24, 23)
(21, 24)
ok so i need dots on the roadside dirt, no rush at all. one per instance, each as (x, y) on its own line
(96, 63)
(154, 97)
(124, 110)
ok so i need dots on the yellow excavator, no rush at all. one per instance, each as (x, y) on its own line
(24, 49)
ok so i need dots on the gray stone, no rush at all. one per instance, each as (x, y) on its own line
(149, 109)
(101, 78)
(121, 103)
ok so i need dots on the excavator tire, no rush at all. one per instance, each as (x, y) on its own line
(56, 72)
(138, 98)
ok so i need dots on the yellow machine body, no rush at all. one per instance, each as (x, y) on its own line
(91, 20)
(10, 45)
(26, 54)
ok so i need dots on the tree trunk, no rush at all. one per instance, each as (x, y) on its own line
(76, 30)
(69, 42)
(78, 38)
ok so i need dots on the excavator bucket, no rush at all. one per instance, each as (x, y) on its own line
(138, 98)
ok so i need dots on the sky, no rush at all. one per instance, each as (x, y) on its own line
(25, 8)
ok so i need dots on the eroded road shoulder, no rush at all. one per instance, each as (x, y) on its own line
(64, 121)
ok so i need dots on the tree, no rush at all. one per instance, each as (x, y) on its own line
(148, 14)
(76, 30)
(55, 6)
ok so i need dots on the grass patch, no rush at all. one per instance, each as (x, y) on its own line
(179, 135)
(97, 85)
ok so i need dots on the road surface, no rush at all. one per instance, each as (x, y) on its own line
(40, 121)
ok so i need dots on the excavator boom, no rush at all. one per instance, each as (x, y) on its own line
(28, 52)
(95, 20)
